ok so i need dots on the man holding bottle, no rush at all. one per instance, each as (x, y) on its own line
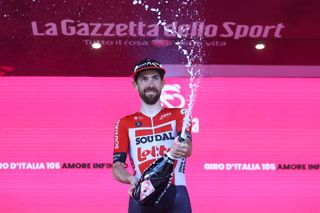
(148, 135)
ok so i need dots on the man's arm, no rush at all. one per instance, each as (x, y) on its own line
(121, 148)
(120, 173)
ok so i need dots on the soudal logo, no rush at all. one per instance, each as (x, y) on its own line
(145, 154)
(116, 136)
(159, 137)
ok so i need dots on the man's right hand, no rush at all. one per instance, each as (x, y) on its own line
(133, 182)
(180, 150)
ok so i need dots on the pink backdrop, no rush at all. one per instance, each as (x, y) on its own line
(256, 123)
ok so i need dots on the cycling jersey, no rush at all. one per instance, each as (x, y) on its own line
(148, 138)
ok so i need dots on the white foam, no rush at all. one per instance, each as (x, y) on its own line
(191, 55)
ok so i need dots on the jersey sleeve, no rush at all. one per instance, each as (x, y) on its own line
(121, 141)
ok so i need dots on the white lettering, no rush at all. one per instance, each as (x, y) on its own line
(121, 30)
(35, 31)
(51, 29)
(141, 25)
(211, 30)
(116, 136)
(154, 30)
(4, 165)
(67, 30)
(254, 31)
(108, 30)
(227, 27)
(84, 29)
(241, 31)
(174, 29)
(97, 27)
(243, 166)
(13, 165)
(279, 27)
(132, 27)
(214, 166)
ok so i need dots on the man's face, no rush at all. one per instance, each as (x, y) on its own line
(149, 86)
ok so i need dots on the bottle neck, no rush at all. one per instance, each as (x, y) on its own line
(170, 157)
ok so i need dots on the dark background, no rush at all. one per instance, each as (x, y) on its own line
(24, 54)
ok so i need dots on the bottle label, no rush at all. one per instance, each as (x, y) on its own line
(146, 189)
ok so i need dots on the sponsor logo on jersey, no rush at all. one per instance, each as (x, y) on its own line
(153, 152)
(165, 115)
(116, 136)
(138, 117)
(151, 138)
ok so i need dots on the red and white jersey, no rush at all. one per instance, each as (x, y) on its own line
(148, 138)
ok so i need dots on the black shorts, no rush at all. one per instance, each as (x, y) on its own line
(175, 200)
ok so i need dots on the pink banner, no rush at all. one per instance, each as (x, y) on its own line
(256, 143)
(127, 32)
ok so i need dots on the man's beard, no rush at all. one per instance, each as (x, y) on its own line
(150, 99)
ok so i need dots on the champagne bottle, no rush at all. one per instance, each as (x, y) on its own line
(155, 180)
